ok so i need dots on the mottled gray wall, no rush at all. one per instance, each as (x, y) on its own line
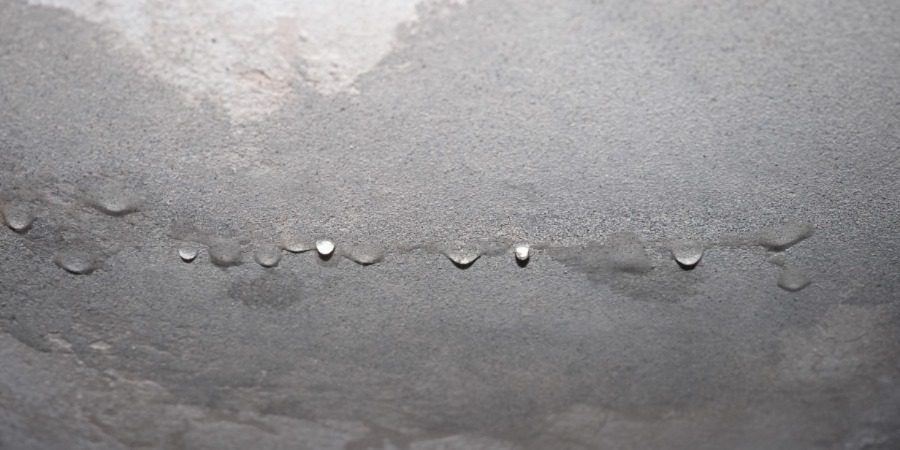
(603, 134)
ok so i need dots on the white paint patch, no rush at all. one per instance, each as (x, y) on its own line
(247, 54)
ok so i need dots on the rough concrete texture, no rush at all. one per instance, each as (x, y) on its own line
(246, 54)
(606, 134)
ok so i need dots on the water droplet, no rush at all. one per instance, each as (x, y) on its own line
(784, 236)
(687, 253)
(114, 200)
(75, 262)
(462, 255)
(188, 254)
(522, 252)
(297, 245)
(365, 254)
(225, 253)
(778, 259)
(17, 217)
(792, 279)
(268, 255)
(325, 247)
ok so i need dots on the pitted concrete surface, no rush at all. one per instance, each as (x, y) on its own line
(606, 135)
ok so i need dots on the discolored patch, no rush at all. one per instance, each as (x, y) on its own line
(247, 55)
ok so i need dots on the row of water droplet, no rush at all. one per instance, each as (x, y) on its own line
(227, 252)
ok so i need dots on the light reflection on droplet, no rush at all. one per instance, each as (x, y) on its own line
(522, 252)
(187, 254)
(325, 247)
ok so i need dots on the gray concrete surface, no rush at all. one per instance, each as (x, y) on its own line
(602, 133)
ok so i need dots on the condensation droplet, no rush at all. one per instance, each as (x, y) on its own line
(268, 255)
(17, 217)
(792, 279)
(297, 245)
(114, 200)
(687, 253)
(365, 255)
(188, 254)
(778, 259)
(522, 252)
(296, 242)
(784, 236)
(461, 255)
(75, 262)
(325, 247)
(225, 253)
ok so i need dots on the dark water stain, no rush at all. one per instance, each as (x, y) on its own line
(620, 253)
(622, 263)
(268, 290)
(380, 437)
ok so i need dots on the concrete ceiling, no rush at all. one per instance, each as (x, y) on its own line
(426, 139)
